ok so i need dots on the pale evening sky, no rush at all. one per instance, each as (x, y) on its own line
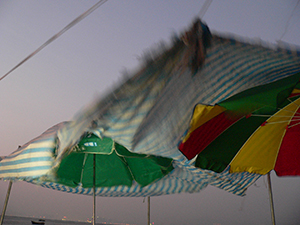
(88, 60)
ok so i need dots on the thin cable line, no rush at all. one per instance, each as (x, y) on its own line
(288, 21)
(75, 21)
(204, 8)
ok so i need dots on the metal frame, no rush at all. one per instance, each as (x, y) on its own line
(6, 202)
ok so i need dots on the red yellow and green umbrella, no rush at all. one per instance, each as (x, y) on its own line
(254, 131)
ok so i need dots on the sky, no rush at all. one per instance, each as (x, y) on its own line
(87, 61)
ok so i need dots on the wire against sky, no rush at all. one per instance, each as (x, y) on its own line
(73, 23)
(204, 8)
(288, 21)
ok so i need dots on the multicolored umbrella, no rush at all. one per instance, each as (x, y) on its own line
(255, 131)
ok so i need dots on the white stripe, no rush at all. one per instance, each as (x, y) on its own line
(28, 165)
(30, 155)
(21, 175)
(36, 145)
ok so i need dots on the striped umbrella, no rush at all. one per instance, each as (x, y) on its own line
(33, 162)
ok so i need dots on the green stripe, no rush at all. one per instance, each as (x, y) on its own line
(218, 154)
(272, 94)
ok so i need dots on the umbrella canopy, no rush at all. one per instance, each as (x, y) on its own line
(149, 112)
(34, 162)
(113, 164)
(255, 131)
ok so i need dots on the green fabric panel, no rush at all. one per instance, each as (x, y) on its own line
(272, 94)
(144, 168)
(146, 171)
(70, 169)
(283, 95)
(297, 86)
(218, 154)
(112, 168)
(110, 171)
(93, 144)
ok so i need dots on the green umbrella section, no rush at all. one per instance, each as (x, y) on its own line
(114, 165)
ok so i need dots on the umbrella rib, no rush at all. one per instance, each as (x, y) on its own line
(137, 156)
(283, 109)
(128, 167)
(124, 160)
(261, 115)
(83, 164)
(128, 156)
(292, 102)
(283, 121)
(118, 154)
(296, 124)
(293, 118)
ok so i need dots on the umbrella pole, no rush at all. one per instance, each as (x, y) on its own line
(271, 199)
(94, 194)
(148, 210)
(6, 202)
